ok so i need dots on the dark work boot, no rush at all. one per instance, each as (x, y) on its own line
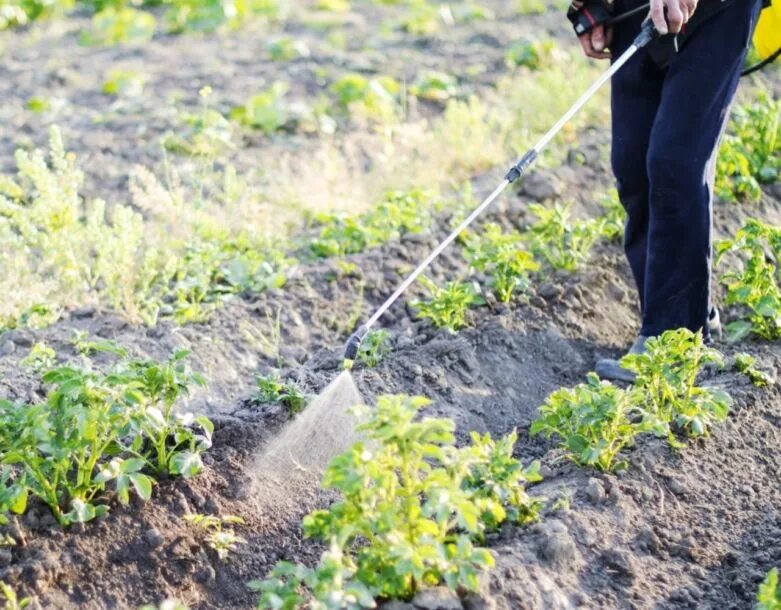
(714, 325)
(609, 369)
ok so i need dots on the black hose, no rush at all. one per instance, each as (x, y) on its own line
(765, 62)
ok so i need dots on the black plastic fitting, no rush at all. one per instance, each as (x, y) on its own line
(519, 168)
(648, 33)
(354, 343)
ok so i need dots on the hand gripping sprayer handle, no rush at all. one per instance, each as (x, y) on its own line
(647, 34)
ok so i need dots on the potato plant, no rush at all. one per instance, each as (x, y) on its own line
(596, 420)
(749, 154)
(744, 363)
(756, 286)
(399, 213)
(593, 421)
(447, 305)
(667, 381)
(563, 243)
(411, 506)
(501, 255)
(266, 111)
(376, 99)
(95, 430)
(374, 348)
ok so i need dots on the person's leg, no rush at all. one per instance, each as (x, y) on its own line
(635, 97)
(698, 89)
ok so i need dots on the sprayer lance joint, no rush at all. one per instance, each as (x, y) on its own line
(519, 168)
(354, 343)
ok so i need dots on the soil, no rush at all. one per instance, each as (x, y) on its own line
(694, 529)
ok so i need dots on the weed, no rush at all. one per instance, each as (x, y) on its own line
(204, 133)
(411, 505)
(563, 243)
(220, 538)
(446, 306)
(375, 347)
(769, 593)
(86, 347)
(40, 357)
(594, 421)
(500, 254)
(749, 154)
(744, 363)
(667, 378)
(272, 390)
(756, 287)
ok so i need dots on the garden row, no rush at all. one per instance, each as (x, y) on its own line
(53, 233)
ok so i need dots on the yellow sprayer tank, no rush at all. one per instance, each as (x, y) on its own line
(767, 38)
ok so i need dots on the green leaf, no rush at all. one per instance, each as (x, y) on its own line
(185, 463)
(142, 485)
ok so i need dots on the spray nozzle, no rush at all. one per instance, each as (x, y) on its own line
(352, 346)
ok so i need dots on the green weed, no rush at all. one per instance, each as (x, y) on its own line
(40, 357)
(272, 390)
(218, 537)
(203, 133)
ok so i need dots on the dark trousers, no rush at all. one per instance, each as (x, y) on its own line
(666, 128)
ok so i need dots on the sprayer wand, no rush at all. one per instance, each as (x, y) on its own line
(647, 34)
